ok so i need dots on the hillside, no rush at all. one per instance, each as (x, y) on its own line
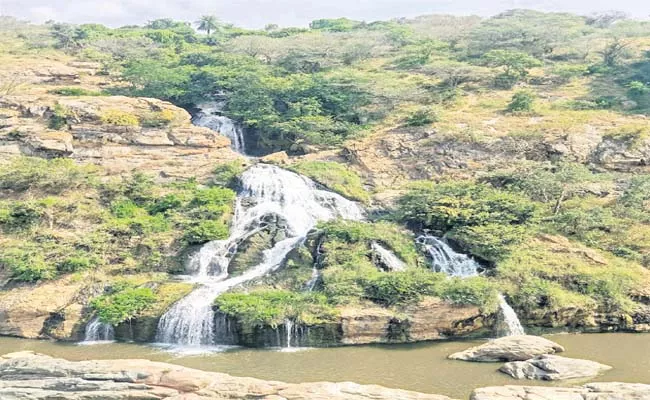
(522, 139)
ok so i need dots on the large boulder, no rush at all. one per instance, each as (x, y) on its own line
(27, 375)
(509, 348)
(550, 367)
(592, 391)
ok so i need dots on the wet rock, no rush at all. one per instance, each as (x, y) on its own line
(592, 391)
(28, 375)
(553, 368)
(510, 348)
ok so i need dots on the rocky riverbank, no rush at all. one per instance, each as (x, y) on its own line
(28, 375)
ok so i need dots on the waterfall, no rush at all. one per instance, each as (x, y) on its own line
(210, 116)
(266, 190)
(97, 331)
(288, 326)
(508, 324)
(444, 259)
(315, 272)
(388, 258)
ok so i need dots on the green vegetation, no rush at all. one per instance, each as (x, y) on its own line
(76, 91)
(336, 177)
(58, 218)
(123, 305)
(272, 307)
(456, 101)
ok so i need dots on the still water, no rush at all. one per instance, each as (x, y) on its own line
(420, 367)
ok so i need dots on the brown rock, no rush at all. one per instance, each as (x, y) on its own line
(509, 348)
(552, 368)
(39, 377)
(279, 158)
(592, 391)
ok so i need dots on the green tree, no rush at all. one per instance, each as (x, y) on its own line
(515, 65)
(208, 24)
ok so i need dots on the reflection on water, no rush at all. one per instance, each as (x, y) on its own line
(420, 367)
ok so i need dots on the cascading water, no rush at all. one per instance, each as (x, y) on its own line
(266, 190)
(508, 324)
(445, 259)
(210, 116)
(387, 258)
(97, 331)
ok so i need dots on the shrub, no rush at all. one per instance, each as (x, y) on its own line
(158, 119)
(124, 305)
(26, 266)
(522, 101)
(59, 117)
(76, 91)
(272, 307)
(50, 176)
(169, 202)
(443, 207)
(401, 287)
(490, 242)
(75, 263)
(21, 215)
(477, 291)
(213, 196)
(119, 118)
(206, 231)
(225, 175)
(421, 117)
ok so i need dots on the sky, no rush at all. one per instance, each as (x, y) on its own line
(257, 13)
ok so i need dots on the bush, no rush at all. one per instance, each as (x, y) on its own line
(443, 207)
(206, 231)
(401, 287)
(50, 176)
(158, 119)
(226, 175)
(59, 117)
(119, 118)
(334, 176)
(490, 242)
(273, 307)
(124, 305)
(76, 91)
(422, 117)
(216, 196)
(169, 202)
(75, 263)
(522, 101)
(26, 266)
(477, 291)
(21, 215)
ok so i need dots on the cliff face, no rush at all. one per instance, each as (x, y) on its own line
(119, 133)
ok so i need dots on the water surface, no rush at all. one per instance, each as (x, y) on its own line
(420, 367)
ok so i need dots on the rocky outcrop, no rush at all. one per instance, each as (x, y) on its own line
(48, 310)
(552, 368)
(407, 153)
(592, 391)
(509, 348)
(39, 377)
(430, 319)
(121, 134)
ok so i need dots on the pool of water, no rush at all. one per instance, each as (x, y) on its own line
(421, 367)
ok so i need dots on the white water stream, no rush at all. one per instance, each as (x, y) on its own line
(388, 258)
(444, 259)
(97, 332)
(266, 190)
(210, 117)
